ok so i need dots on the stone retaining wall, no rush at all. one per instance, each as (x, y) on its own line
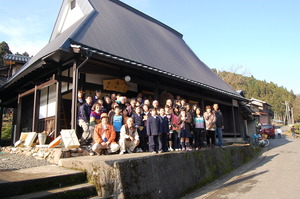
(167, 175)
(52, 155)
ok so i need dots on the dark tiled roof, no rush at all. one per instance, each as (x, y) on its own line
(120, 31)
(17, 58)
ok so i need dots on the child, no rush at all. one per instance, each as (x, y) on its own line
(153, 132)
(185, 132)
(175, 128)
(117, 121)
(169, 116)
(164, 126)
(199, 129)
(137, 117)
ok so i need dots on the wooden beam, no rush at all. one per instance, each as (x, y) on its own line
(35, 109)
(233, 119)
(41, 86)
(74, 96)
(58, 106)
(19, 117)
(1, 121)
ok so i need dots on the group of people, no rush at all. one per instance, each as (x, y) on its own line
(116, 124)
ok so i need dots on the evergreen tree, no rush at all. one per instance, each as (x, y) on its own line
(266, 91)
(4, 48)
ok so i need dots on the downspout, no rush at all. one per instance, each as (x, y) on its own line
(75, 87)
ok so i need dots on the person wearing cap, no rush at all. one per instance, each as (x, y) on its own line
(104, 137)
(97, 96)
(129, 137)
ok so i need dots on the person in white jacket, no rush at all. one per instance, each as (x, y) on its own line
(129, 137)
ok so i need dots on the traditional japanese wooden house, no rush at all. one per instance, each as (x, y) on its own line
(95, 44)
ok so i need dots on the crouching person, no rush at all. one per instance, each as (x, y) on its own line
(104, 137)
(129, 137)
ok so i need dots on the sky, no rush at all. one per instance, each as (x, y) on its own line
(250, 37)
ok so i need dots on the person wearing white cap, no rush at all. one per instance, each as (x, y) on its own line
(129, 137)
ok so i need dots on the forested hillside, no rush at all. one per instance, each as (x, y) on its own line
(266, 91)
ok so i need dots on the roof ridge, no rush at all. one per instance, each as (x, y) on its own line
(141, 14)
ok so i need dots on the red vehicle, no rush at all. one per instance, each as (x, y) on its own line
(268, 129)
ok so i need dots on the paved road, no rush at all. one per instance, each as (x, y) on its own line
(276, 174)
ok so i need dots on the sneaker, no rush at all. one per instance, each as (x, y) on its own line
(140, 150)
(183, 149)
(176, 149)
(153, 152)
(202, 148)
(189, 149)
(122, 152)
(170, 149)
(197, 148)
(159, 151)
(129, 151)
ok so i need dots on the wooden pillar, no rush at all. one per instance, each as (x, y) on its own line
(58, 106)
(18, 124)
(35, 115)
(1, 121)
(234, 123)
(74, 96)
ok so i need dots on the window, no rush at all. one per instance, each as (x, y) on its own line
(47, 102)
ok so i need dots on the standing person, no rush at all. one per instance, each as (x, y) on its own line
(107, 103)
(84, 118)
(146, 115)
(219, 124)
(169, 116)
(80, 102)
(155, 104)
(117, 121)
(104, 137)
(131, 107)
(95, 117)
(169, 103)
(97, 96)
(153, 132)
(129, 137)
(185, 131)
(80, 99)
(293, 131)
(190, 114)
(95, 114)
(210, 122)
(182, 102)
(137, 117)
(175, 128)
(164, 126)
(199, 129)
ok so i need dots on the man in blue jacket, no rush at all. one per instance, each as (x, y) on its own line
(84, 118)
(219, 124)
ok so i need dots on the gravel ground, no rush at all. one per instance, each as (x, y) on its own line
(9, 161)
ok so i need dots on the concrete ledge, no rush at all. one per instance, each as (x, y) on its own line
(168, 175)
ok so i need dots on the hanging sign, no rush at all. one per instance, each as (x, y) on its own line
(118, 85)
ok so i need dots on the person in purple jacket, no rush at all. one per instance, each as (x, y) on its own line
(153, 132)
